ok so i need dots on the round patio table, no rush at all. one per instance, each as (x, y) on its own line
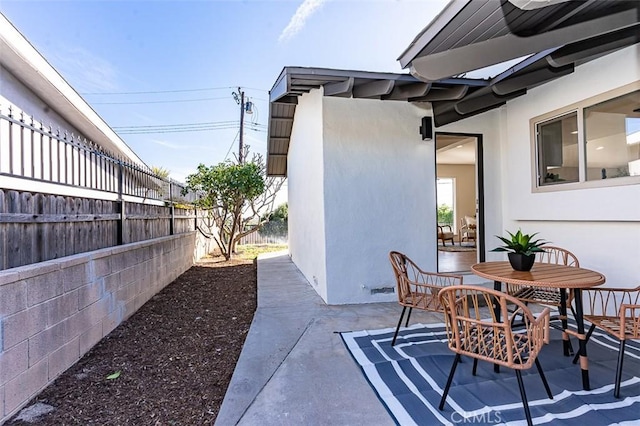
(549, 275)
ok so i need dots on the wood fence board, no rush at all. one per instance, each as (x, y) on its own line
(13, 232)
(38, 227)
(3, 237)
(27, 231)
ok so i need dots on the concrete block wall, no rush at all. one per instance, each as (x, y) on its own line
(53, 312)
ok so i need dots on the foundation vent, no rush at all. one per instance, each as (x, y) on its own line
(383, 290)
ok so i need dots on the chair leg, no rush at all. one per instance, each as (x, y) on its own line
(586, 339)
(562, 310)
(527, 413)
(616, 390)
(456, 360)
(544, 379)
(475, 366)
(393, 342)
(406, 324)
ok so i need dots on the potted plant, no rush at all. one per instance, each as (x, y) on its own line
(522, 249)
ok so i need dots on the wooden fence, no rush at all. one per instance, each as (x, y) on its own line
(257, 238)
(39, 227)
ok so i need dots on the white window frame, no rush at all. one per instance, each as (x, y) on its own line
(579, 108)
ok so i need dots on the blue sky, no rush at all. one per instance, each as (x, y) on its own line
(110, 51)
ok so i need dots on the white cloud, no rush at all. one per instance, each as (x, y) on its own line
(84, 70)
(306, 9)
(167, 144)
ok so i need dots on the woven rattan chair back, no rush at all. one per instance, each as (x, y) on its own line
(476, 330)
(417, 288)
(617, 312)
(542, 295)
(558, 256)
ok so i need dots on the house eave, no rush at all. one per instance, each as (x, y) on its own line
(296, 81)
(474, 34)
(27, 65)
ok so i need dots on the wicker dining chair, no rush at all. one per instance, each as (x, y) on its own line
(549, 296)
(417, 288)
(474, 330)
(617, 312)
(541, 295)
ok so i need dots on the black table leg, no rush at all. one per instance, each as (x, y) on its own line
(497, 286)
(584, 362)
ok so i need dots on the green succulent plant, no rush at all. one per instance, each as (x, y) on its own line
(520, 243)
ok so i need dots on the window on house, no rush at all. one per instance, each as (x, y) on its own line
(594, 142)
(612, 135)
(558, 150)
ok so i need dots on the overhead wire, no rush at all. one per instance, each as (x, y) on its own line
(153, 92)
(207, 123)
(159, 102)
(184, 130)
(252, 125)
(158, 91)
(187, 127)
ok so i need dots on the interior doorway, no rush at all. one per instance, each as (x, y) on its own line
(459, 201)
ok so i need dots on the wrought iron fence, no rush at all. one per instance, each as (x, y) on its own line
(31, 150)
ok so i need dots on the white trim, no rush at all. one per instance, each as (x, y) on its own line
(28, 185)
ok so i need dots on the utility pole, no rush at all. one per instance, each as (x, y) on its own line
(241, 125)
(239, 97)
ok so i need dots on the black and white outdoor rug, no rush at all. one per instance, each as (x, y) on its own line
(410, 376)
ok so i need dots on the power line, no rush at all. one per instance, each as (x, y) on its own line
(147, 132)
(208, 123)
(151, 92)
(158, 91)
(186, 126)
(157, 102)
(183, 130)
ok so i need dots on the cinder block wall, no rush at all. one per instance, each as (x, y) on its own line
(53, 312)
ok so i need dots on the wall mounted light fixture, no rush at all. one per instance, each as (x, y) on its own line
(426, 129)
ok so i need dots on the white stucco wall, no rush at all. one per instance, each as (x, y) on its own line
(306, 192)
(600, 225)
(379, 195)
(14, 93)
(362, 183)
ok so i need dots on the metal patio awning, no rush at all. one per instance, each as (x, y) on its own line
(473, 34)
(295, 81)
(554, 36)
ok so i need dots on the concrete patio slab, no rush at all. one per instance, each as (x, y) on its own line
(294, 368)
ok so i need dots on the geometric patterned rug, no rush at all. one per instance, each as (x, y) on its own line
(409, 379)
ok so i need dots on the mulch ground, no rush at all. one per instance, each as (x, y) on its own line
(175, 356)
